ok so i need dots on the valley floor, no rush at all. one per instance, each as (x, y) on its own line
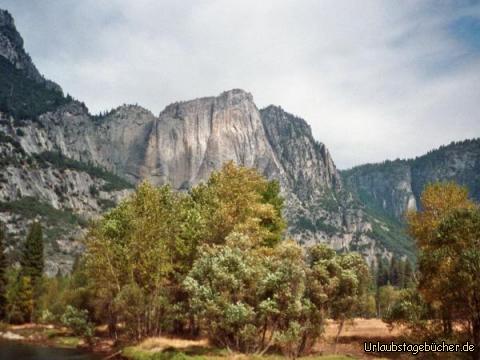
(350, 345)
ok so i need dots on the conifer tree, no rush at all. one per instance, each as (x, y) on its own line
(383, 275)
(408, 273)
(21, 303)
(395, 271)
(32, 261)
(3, 275)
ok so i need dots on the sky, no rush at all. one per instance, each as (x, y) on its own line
(375, 80)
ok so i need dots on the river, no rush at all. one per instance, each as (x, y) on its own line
(10, 350)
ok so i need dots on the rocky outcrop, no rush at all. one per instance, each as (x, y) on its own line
(190, 139)
(396, 186)
(11, 48)
(62, 194)
(309, 170)
(387, 187)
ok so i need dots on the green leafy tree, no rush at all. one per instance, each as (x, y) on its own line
(382, 273)
(20, 299)
(395, 272)
(353, 279)
(456, 247)
(387, 297)
(438, 201)
(133, 247)
(412, 314)
(78, 321)
(239, 199)
(249, 298)
(222, 287)
(139, 253)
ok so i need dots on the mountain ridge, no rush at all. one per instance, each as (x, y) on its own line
(396, 186)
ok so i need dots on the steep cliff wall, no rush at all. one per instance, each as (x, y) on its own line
(396, 186)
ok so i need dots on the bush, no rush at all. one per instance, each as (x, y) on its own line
(77, 321)
(46, 317)
(250, 299)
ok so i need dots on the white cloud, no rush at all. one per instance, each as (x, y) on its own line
(374, 79)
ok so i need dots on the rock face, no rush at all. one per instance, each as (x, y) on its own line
(308, 168)
(60, 193)
(190, 139)
(11, 48)
(396, 186)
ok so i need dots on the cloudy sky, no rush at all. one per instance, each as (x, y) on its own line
(375, 79)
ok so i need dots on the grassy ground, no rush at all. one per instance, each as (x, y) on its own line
(350, 345)
(135, 353)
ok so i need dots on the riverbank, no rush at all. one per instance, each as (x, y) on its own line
(55, 336)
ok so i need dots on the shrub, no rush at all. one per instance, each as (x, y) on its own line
(78, 321)
(250, 299)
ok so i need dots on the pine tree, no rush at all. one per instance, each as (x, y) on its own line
(394, 272)
(21, 303)
(3, 275)
(408, 274)
(383, 275)
(32, 256)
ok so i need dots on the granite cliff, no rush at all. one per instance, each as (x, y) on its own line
(394, 187)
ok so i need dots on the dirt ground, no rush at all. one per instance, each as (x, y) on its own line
(350, 342)
(353, 335)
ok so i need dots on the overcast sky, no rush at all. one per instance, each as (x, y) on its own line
(375, 79)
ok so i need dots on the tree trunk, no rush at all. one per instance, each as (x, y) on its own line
(476, 339)
(340, 328)
(303, 345)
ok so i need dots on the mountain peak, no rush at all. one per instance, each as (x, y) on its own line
(283, 118)
(236, 93)
(6, 19)
(11, 48)
(226, 99)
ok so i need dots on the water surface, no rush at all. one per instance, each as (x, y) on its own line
(10, 350)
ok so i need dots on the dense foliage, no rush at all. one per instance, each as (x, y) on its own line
(210, 261)
(24, 285)
(25, 98)
(445, 303)
(59, 161)
(142, 250)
